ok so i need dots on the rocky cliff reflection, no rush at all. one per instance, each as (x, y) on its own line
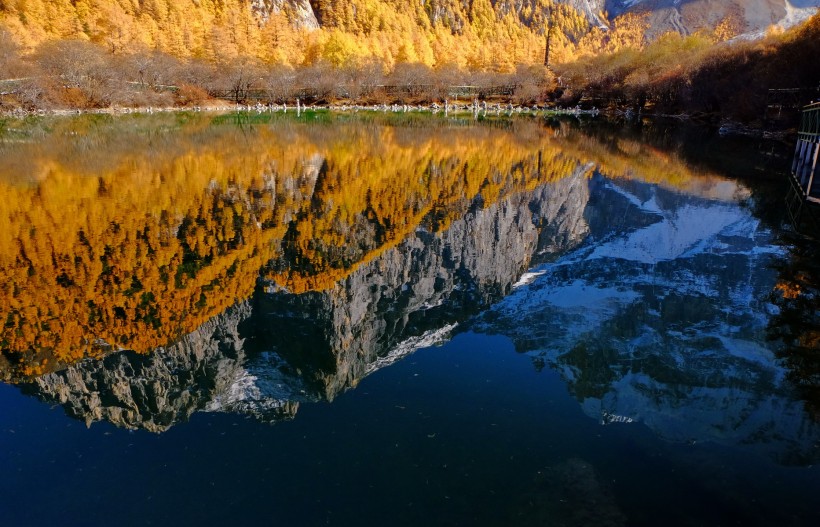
(266, 355)
(117, 237)
(296, 259)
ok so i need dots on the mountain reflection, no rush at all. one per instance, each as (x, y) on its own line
(156, 231)
(268, 354)
(128, 233)
(190, 264)
(665, 323)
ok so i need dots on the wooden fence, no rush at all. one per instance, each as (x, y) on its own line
(805, 166)
(805, 171)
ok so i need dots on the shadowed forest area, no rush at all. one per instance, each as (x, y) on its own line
(676, 74)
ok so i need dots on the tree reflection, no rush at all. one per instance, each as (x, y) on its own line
(128, 237)
(797, 324)
(265, 356)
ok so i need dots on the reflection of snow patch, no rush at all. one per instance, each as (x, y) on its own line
(410, 346)
(243, 388)
(687, 229)
(750, 351)
(262, 386)
(528, 278)
(608, 418)
(650, 205)
(579, 294)
(432, 305)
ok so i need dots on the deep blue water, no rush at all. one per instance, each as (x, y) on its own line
(453, 435)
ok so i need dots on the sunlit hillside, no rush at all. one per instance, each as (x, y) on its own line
(476, 34)
(717, 62)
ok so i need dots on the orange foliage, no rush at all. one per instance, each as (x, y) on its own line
(479, 34)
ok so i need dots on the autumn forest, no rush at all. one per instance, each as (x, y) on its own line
(129, 53)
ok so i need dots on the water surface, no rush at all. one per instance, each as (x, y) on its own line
(368, 320)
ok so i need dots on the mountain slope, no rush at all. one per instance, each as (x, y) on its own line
(687, 16)
(476, 35)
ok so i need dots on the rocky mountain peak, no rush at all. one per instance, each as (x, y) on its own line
(751, 17)
(687, 16)
(299, 12)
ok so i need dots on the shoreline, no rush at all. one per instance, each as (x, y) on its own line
(434, 108)
(723, 126)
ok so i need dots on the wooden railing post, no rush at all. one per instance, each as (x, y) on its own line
(813, 169)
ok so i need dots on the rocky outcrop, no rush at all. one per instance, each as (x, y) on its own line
(299, 12)
(206, 370)
(594, 10)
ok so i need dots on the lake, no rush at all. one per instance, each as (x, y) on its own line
(401, 319)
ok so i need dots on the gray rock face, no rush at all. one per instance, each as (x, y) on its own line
(593, 9)
(265, 356)
(299, 12)
(205, 371)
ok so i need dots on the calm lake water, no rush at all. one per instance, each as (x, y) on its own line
(400, 320)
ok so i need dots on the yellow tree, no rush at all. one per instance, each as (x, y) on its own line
(628, 31)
